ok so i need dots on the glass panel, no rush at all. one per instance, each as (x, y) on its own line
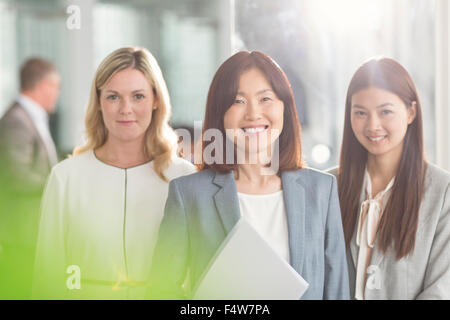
(29, 29)
(320, 43)
(182, 37)
(8, 55)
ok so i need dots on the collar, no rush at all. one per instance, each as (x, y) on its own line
(34, 109)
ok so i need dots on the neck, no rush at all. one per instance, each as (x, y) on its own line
(249, 179)
(383, 167)
(251, 173)
(35, 96)
(122, 154)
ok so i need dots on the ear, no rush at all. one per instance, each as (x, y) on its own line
(412, 111)
(155, 104)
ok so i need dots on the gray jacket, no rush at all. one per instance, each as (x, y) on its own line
(424, 274)
(203, 207)
(24, 167)
(23, 155)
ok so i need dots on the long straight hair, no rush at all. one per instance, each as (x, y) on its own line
(398, 225)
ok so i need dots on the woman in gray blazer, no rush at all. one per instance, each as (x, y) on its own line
(395, 206)
(252, 169)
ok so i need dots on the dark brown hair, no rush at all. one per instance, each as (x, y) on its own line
(221, 96)
(33, 71)
(399, 222)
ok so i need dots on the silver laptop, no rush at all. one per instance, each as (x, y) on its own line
(246, 268)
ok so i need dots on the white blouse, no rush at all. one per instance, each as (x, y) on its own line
(267, 214)
(371, 211)
(98, 229)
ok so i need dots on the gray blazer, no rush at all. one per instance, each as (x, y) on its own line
(203, 207)
(22, 152)
(24, 167)
(425, 274)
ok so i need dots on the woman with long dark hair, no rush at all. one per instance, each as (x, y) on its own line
(395, 206)
(251, 109)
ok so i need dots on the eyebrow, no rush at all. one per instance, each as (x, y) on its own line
(134, 91)
(259, 92)
(380, 106)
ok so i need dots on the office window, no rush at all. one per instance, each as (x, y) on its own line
(321, 43)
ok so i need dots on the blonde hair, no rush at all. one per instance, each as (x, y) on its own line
(160, 139)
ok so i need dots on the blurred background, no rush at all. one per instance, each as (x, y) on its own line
(318, 43)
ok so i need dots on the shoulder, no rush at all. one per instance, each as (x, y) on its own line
(195, 181)
(437, 184)
(179, 167)
(316, 183)
(14, 111)
(73, 165)
(333, 171)
(311, 177)
(195, 187)
(203, 176)
(15, 118)
(436, 177)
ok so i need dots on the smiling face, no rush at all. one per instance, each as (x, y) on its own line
(127, 102)
(256, 112)
(379, 120)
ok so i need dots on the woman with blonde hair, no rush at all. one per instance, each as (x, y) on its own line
(102, 207)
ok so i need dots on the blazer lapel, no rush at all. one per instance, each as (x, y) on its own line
(226, 200)
(294, 200)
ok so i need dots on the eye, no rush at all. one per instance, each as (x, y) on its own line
(386, 112)
(239, 101)
(112, 97)
(359, 113)
(139, 96)
(265, 99)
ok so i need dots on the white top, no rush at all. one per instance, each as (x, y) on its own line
(40, 119)
(267, 215)
(369, 218)
(103, 220)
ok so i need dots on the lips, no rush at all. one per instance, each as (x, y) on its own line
(126, 122)
(377, 138)
(254, 129)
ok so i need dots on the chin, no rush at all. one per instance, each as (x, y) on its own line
(378, 151)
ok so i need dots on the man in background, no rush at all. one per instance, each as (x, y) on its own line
(27, 153)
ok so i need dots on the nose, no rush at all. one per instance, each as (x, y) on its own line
(125, 107)
(253, 111)
(374, 123)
